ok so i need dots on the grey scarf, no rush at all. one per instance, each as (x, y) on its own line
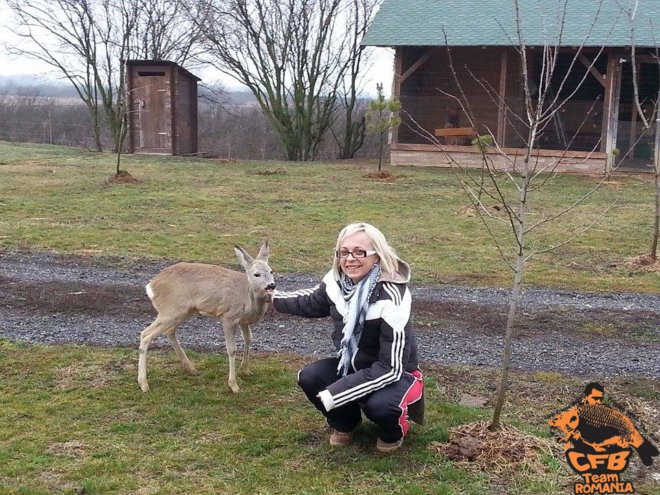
(357, 296)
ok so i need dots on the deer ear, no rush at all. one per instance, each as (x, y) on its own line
(242, 255)
(264, 252)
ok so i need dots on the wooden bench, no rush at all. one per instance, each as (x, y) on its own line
(456, 131)
(456, 135)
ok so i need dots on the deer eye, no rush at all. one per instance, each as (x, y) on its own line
(257, 274)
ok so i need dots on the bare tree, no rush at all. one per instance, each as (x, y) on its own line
(86, 41)
(114, 27)
(61, 33)
(357, 19)
(650, 123)
(503, 190)
(291, 56)
(164, 31)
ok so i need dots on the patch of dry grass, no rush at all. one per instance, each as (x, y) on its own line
(90, 374)
(497, 453)
(643, 263)
(73, 449)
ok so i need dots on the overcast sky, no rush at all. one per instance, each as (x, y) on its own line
(381, 70)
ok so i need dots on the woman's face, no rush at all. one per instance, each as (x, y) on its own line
(357, 268)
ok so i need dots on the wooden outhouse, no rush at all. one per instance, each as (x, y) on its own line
(454, 57)
(162, 108)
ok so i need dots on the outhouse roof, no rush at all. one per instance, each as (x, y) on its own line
(160, 63)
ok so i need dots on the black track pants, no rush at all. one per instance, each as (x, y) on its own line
(387, 407)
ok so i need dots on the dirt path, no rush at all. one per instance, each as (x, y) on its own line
(51, 298)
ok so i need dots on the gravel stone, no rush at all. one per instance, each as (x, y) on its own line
(50, 298)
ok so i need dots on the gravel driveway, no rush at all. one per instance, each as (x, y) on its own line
(51, 298)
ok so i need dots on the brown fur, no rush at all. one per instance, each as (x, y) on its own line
(238, 299)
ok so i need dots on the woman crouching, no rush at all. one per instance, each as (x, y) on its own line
(376, 369)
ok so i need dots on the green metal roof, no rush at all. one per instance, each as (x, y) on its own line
(493, 23)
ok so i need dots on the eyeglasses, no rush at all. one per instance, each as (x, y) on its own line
(356, 253)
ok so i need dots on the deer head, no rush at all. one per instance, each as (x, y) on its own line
(259, 274)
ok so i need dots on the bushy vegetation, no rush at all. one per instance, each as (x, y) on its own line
(230, 125)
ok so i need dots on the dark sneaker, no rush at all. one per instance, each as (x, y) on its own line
(388, 447)
(340, 438)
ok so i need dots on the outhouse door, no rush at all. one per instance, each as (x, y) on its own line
(152, 95)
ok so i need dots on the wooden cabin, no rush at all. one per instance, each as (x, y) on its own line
(458, 67)
(162, 102)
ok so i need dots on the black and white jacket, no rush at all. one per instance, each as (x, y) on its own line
(387, 346)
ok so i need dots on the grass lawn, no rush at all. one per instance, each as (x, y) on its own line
(75, 421)
(197, 209)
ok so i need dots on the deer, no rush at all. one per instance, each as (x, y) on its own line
(238, 300)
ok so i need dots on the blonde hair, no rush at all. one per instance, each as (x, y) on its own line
(389, 261)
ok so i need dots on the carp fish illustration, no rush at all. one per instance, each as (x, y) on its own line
(602, 428)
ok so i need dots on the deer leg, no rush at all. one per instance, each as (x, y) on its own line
(187, 363)
(230, 340)
(147, 335)
(160, 325)
(247, 340)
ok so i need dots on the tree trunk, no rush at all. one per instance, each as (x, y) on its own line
(96, 126)
(354, 134)
(656, 166)
(519, 271)
(380, 151)
(514, 304)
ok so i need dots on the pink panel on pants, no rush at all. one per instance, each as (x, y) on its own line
(413, 394)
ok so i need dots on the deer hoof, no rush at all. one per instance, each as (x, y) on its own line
(189, 367)
(145, 387)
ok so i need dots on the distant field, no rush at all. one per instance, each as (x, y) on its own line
(45, 100)
(57, 198)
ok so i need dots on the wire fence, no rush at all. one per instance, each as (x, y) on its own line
(224, 130)
(44, 120)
